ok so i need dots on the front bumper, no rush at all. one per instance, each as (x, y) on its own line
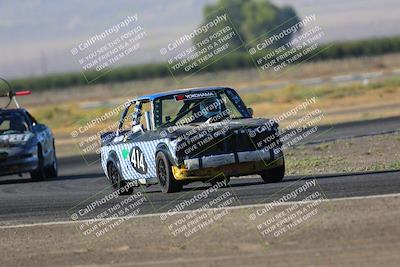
(18, 161)
(232, 164)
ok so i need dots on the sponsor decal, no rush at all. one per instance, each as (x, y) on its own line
(125, 153)
(138, 160)
(181, 97)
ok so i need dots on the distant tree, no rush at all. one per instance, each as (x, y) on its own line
(252, 19)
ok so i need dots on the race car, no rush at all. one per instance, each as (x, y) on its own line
(26, 146)
(198, 134)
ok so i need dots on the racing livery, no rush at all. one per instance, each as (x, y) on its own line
(26, 146)
(198, 134)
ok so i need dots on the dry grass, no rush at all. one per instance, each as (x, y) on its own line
(373, 153)
(338, 103)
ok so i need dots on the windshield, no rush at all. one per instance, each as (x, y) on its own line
(198, 107)
(12, 123)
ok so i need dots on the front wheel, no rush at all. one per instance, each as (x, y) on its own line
(118, 184)
(38, 174)
(274, 175)
(51, 171)
(165, 177)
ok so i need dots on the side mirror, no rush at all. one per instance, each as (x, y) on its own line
(251, 111)
(137, 128)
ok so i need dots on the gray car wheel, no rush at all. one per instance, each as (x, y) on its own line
(38, 174)
(51, 171)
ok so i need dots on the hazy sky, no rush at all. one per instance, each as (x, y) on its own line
(37, 35)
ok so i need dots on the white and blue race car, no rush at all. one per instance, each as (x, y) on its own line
(200, 134)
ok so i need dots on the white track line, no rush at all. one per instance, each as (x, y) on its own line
(188, 211)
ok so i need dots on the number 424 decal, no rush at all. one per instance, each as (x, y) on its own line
(138, 160)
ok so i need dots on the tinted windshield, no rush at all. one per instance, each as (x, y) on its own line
(12, 123)
(197, 107)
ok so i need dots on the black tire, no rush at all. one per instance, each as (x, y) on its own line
(51, 171)
(117, 182)
(38, 174)
(165, 177)
(274, 175)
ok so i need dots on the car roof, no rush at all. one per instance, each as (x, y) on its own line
(12, 110)
(151, 97)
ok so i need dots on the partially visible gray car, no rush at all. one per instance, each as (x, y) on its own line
(26, 146)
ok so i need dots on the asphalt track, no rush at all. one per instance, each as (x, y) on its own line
(24, 202)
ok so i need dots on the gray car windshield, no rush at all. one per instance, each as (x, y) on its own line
(12, 123)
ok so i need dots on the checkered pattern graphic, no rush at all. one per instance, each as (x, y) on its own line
(149, 151)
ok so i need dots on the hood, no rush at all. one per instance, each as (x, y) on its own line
(245, 124)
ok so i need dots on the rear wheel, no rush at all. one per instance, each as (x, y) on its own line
(166, 179)
(274, 175)
(117, 182)
(38, 174)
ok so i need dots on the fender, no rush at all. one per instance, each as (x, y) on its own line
(113, 158)
(162, 147)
